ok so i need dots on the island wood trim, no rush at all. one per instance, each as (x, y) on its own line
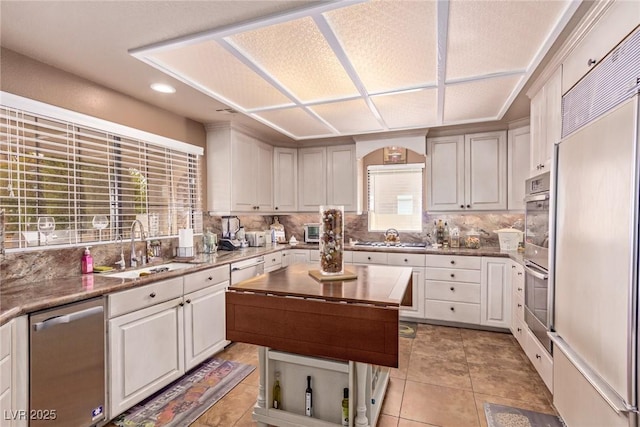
(362, 333)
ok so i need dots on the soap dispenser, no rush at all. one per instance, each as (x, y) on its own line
(87, 262)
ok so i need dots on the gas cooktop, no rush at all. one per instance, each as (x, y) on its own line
(401, 245)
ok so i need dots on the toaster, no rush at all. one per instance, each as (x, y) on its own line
(256, 238)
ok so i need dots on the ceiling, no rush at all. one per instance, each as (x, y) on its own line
(300, 70)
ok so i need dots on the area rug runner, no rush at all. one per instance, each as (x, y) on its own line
(407, 329)
(182, 402)
(507, 416)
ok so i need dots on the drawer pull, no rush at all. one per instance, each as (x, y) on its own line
(152, 294)
(462, 206)
(406, 260)
(453, 309)
(210, 278)
(181, 304)
(452, 262)
(519, 305)
(538, 356)
(453, 275)
(513, 266)
(519, 289)
(519, 329)
(452, 289)
(591, 62)
(369, 258)
(519, 273)
(188, 301)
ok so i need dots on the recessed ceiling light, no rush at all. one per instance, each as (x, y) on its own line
(164, 88)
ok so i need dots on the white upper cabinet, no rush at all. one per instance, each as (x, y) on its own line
(467, 172)
(618, 20)
(518, 166)
(239, 172)
(327, 176)
(546, 123)
(285, 179)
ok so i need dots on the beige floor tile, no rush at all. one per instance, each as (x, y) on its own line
(440, 406)
(518, 384)
(506, 356)
(531, 406)
(387, 421)
(393, 397)
(228, 410)
(246, 420)
(404, 352)
(252, 379)
(476, 337)
(441, 348)
(409, 423)
(440, 331)
(240, 352)
(439, 371)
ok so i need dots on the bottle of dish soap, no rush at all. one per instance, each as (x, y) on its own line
(87, 262)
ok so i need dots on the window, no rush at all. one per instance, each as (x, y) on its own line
(93, 183)
(395, 197)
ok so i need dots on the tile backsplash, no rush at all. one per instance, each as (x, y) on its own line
(64, 262)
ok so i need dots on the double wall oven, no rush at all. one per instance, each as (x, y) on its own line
(538, 295)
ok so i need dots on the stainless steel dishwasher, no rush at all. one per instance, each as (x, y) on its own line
(243, 270)
(67, 365)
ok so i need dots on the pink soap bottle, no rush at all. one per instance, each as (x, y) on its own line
(87, 262)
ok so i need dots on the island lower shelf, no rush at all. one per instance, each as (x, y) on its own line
(328, 379)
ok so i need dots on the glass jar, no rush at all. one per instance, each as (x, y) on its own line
(472, 239)
(331, 240)
(454, 236)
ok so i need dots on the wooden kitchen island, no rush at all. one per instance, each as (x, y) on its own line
(344, 334)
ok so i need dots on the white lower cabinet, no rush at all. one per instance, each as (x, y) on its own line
(272, 261)
(14, 360)
(495, 292)
(417, 262)
(294, 256)
(146, 352)
(541, 359)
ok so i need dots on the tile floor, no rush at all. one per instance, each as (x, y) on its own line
(444, 377)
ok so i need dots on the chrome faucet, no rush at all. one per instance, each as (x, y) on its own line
(120, 263)
(134, 259)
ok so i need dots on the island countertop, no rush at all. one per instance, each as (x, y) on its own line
(377, 285)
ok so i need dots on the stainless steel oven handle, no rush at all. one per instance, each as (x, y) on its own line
(247, 266)
(537, 197)
(68, 318)
(535, 273)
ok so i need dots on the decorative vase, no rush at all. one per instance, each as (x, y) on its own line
(331, 240)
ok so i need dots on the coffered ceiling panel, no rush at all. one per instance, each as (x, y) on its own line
(208, 65)
(391, 44)
(349, 117)
(497, 36)
(295, 121)
(409, 109)
(478, 100)
(322, 71)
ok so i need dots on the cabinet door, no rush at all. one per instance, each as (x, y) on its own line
(263, 183)
(416, 311)
(244, 173)
(285, 179)
(538, 133)
(552, 118)
(341, 176)
(298, 256)
(486, 171)
(133, 375)
(204, 324)
(445, 174)
(495, 292)
(312, 178)
(286, 255)
(518, 167)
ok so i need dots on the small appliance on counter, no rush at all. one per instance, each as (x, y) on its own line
(230, 244)
(311, 232)
(256, 238)
(230, 227)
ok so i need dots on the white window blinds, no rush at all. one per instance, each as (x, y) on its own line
(395, 197)
(93, 183)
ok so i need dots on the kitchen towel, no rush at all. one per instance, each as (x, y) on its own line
(185, 237)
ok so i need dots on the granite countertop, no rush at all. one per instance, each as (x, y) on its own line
(23, 296)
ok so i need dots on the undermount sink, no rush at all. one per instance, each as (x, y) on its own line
(150, 270)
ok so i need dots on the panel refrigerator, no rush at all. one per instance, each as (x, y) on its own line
(595, 246)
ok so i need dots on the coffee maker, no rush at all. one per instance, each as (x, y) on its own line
(230, 226)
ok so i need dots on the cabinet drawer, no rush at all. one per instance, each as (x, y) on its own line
(455, 261)
(5, 340)
(540, 359)
(414, 260)
(369, 257)
(348, 257)
(314, 255)
(452, 311)
(205, 278)
(454, 275)
(519, 331)
(144, 296)
(517, 279)
(456, 292)
(273, 259)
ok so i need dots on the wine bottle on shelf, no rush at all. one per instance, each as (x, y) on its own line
(308, 399)
(345, 407)
(277, 396)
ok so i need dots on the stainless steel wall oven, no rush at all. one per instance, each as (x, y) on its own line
(538, 299)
